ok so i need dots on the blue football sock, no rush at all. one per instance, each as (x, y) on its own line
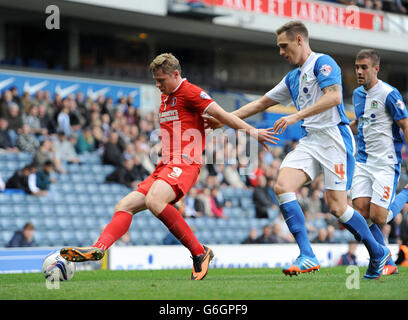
(295, 219)
(356, 224)
(398, 203)
(379, 237)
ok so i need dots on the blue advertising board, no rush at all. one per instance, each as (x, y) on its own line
(16, 260)
(65, 85)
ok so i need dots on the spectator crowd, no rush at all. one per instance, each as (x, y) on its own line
(58, 130)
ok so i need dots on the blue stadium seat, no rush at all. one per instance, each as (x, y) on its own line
(54, 238)
(80, 188)
(68, 237)
(74, 210)
(21, 221)
(40, 237)
(20, 210)
(92, 188)
(247, 203)
(61, 210)
(218, 236)
(221, 223)
(146, 236)
(6, 210)
(234, 202)
(38, 222)
(83, 199)
(74, 168)
(100, 222)
(77, 222)
(7, 223)
(4, 198)
(250, 212)
(204, 236)
(232, 223)
(82, 237)
(237, 212)
(50, 223)
(26, 157)
(5, 236)
(209, 222)
(64, 223)
(33, 210)
(47, 210)
(17, 198)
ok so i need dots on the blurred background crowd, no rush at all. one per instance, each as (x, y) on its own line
(58, 131)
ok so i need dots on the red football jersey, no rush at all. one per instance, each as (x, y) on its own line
(182, 125)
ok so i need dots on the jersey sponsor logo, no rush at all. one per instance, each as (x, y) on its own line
(204, 95)
(400, 105)
(170, 115)
(325, 70)
(374, 104)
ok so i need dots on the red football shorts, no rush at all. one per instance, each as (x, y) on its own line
(181, 177)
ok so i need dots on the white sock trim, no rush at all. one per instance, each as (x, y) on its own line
(346, 216)
(390, 216)
(286, 197)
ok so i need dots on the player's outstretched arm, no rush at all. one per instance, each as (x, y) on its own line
(250, 109)
(403, 124)
(230, 119)
(332, 97)
(354, 126)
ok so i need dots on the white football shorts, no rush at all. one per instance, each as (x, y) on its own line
(330, 151)
(378, 182)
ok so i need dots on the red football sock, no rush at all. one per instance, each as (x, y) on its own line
(175, 222)
(118, 226)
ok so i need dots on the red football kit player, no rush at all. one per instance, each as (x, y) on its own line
(183, 140)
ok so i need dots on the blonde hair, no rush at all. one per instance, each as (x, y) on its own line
(167, 62)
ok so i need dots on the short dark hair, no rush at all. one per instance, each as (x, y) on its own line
(294, 28)
(48, 163)
(28, 226)
(371, 54)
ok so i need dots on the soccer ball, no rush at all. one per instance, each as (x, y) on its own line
(56, 267)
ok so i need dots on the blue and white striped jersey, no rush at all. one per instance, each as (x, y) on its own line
(304, 86)
(377, 110)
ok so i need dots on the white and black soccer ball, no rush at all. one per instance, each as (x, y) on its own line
(56, 267)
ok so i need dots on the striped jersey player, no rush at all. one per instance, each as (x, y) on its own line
(380, 113)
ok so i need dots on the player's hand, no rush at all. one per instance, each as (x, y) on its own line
(265, 135)
(211, 122)
(284, 122)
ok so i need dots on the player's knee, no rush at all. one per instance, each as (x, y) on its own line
(280, 188)
(153, 204)
(363, 211)
(121, 205)
(379, 219)
(337, 210)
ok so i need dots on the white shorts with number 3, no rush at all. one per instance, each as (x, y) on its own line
(377, 182)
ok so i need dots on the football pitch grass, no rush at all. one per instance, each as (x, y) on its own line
(220, 284)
